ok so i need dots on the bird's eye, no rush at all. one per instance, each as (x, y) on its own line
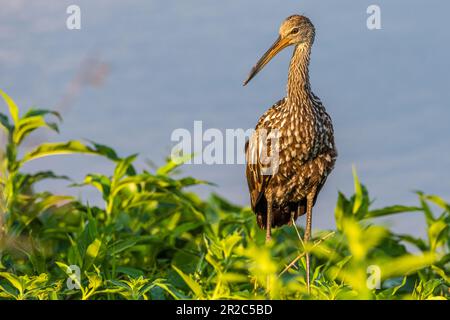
(295, 31)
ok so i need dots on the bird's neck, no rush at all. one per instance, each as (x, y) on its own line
(298, 87)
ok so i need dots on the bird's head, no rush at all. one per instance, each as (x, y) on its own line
(295, 30)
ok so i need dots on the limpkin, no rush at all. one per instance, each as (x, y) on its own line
(304, 142)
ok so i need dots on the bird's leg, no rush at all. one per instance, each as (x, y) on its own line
(309, 205)
(268, 233)
(269, 219)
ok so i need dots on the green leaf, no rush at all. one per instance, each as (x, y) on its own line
(406, 265)
(192, 284)
(341, 210)
(439, 202)
(229, 243)
(426, 208)
(47, 201)
(7, 292)
(105, 151)
(28, 180)
(172, 164)
(121, 245)
(185, 227)
(4, 122)
(391, 210)
(13, 109)
(13, 279)
(58, 148)
(132, 272)
(64, 267)
(50, 200)
(437, 298)
(436, 231)
(123, 166)
(95, 281)
(419, 243)
(128, 182)
(74, 254)
(362, 240)
(189, 181)
(100, 182)
(32, 112)
(441, 273)
(359, 197)
(390, 292)
(92, 252)
(28, 125)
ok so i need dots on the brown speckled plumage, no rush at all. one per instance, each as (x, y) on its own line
(305, 146)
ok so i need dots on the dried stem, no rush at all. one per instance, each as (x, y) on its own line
(316, 243)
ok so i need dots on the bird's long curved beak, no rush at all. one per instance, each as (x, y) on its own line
(279, 45)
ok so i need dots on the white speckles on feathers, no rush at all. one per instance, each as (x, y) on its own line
(306, 150)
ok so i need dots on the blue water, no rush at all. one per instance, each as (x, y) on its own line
(171, 63)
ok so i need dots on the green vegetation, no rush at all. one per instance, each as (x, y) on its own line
(153, 239)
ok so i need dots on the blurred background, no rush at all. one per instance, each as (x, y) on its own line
(139, 69)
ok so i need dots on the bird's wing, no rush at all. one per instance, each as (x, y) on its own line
(257, 181)
(257, 149)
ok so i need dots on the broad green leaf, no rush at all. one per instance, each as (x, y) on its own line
(13, 279)
(406, 265)
(105, 151)
(234, 277)
(100, 182)
(439, 202)
(28, 125)
(28, 180)
(192, 284)
(229, 243)
(58, 148)
(50, 200)
(213, 263)
(4, 122)
(441, 273)
(396, 288)
(74, 256)
(64, 267)
(95, 281)
(189, 181)
(429, 216)
(437, 298)
(360, 240)
(121, 284)
(44, 202)
(132, 272)
(391, 210)
(359, 197)
(92, 252)
(172, 164)
(128, 182)
(435, 232)
(13, 109)
(340, 210)
(419, 243)
(170, 290)
(123, 166)
(32, 112)
(5, 293)
(185, 227)
(121, 245)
